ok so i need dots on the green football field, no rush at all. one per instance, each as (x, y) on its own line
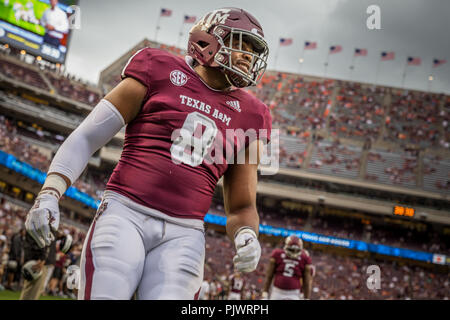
(7, 14)
(14, 295)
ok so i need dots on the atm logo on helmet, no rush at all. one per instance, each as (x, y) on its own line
(217, 16)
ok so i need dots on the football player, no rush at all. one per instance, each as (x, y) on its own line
(236, 286)
(290, 270)
(148, 234)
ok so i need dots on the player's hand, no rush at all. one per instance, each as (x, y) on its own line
(38, 266)
(264, 295)
(43, 219)
(73, 279)
(248, 251)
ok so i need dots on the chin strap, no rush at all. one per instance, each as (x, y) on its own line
(235, 80)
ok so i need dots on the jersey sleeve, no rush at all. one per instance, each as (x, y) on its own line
(274, 254)
(267, 127)
(262, 126)
(307, 258)
(138, 67)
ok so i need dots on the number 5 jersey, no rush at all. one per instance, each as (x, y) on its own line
(177, 147)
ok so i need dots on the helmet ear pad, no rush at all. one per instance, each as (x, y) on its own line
(206, 46)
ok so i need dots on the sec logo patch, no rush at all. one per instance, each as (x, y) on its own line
(178, 78)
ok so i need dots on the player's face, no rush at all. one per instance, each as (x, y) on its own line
(242, 60)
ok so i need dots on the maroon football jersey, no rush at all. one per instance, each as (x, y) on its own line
(174, 172)
(236, 284)
(288, 271)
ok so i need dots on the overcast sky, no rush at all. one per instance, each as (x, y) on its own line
(418, 28)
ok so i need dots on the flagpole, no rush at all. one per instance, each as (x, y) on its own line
(180, 33)
(430, 77)
(276, 55)
(430, 80)
(378, 69)
(301, 59)
(326, 62)
(157, 25)
(352, 66)
(404, 74)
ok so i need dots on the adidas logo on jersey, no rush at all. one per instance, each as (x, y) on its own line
(235, 105)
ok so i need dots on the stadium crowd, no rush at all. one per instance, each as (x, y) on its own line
(336, 276)
(22, 74)
(64, 84)
(93, 183)
(12, 237)
(12, 143)
(358, 113)
(72, 89)
(414, 117)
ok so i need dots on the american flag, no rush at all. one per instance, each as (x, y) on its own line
(387, 55)
(189, 19)
(360, 52)
(335, 49)
(285, 41)
(437, 62)
(166, 12)
(439, 258)
(310, 45)
(414, 61)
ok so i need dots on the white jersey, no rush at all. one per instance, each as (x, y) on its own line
(58, 19)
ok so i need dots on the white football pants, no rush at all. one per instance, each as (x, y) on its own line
(234, 296)
(126, 251)
(280, 294)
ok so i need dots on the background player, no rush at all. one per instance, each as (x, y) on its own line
(236, 285)
(291, 271)
(148, 232)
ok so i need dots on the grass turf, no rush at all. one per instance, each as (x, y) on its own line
(15, 295)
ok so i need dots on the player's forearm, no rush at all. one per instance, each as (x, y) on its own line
(269, 275)
(307, 288)
(73, 155)
(244, 217)
(267, 283)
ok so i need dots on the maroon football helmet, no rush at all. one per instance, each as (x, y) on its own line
(293, 246)
(211, 44)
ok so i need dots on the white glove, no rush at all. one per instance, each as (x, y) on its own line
(248, 250)
(264, 295)
(43, 219)
(73, 279)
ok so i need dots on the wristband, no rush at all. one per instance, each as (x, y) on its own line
(246, 229)
(54, 185)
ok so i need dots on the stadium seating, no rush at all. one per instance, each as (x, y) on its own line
(335, 159)
(436, 174)
(21, 73)
(392, 168)
(359, 111)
